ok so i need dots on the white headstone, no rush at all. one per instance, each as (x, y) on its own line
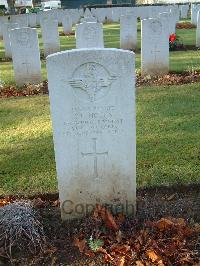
(116, 13)
(100, 15)
(165, 16)
(7, 27)
(26, 56)
(172, 22)
(32, 20)
(50, 36)
(89, 35)
(66, 22)
(21, 20)
(87, 13)
(194, 10)
(59, 15)
(109, 15)
(75, 15)
(128, 32)
(46, 15)
(198, 30)
(154, 47)
(92, 100)
(184, 11)
(3, 19)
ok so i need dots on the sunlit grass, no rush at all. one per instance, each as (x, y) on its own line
(168, 140)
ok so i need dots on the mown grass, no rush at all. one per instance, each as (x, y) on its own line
(168, 140)
(179, 60)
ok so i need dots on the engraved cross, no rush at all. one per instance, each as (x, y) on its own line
(155, 52)
(95, 155)
(26, 64)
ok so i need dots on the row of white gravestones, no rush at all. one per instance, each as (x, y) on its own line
(50, 36)
(154, 47)
(26, 56)
(198, 30)
(89, 35)
(92, 98)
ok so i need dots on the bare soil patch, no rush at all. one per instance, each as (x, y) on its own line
(155, 207)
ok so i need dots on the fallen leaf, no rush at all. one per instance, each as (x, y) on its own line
(39, 203)
(171, 197)
(55, 203)
(80, 244)
(197, 228)
(89, 253)
(139, 263)
(121, 261)
(103, 213)
(5, 201)
(152, 255)
(119, 236)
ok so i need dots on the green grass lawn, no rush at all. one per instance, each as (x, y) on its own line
(168, 140)
(179, 60)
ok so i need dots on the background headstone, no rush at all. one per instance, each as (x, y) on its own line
(21, 20)
(7, 27)
(66, 22)
(26, 56)
(3, 19)
(128, 32)
(198, 30)
(32, 20)
(89, 35)
(50, 36)
(154, 47)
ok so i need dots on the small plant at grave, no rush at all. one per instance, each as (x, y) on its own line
(20, 229)
(174, 42)
(95, 244)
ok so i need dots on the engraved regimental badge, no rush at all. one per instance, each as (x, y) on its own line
(91, 81)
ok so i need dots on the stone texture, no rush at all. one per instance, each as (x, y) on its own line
(184, 11)
(26, 56)
(89, 35)
(154, 47)
(194, 10)
(50, 36)
(66, 22)
(21, 20)
(92, 99)
(7, 27)
(165, 16)
(198, 30)
(3, 19)
(128, 32)
(32, 20)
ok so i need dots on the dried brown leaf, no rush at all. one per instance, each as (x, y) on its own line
(81, 244)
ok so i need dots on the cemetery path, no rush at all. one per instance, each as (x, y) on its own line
(153, 204)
